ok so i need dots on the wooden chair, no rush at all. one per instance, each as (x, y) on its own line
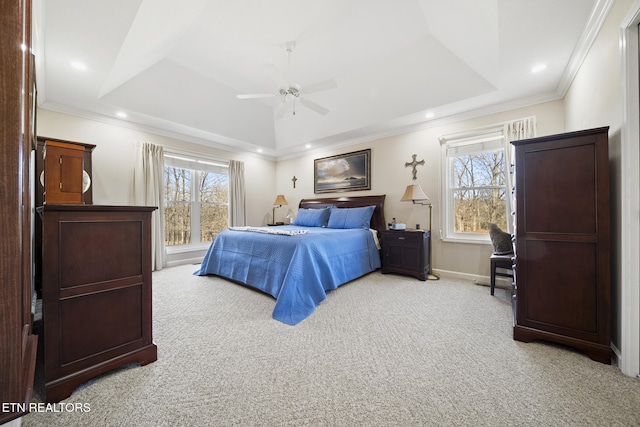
(503, 262)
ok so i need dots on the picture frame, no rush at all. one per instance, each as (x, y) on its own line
(343, 172)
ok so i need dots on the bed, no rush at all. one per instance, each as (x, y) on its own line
(299, 264)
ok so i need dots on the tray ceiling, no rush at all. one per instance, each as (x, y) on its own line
(177, 67)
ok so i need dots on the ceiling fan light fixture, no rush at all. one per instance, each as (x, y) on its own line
(290, 92)
(289, 46)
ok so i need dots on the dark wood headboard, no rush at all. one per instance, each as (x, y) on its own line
(377, 219)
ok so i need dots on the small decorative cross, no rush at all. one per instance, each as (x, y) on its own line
(414, 163)
(294, 179)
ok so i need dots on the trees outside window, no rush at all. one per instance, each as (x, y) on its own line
(214, 204)
(196, 197)
(177, 209)
(479, 193)
(475, 185)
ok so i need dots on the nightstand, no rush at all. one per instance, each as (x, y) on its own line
(406, 252)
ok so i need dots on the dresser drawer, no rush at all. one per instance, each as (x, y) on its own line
(406, 252)
(403, 237)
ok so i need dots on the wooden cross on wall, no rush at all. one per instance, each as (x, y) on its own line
(294, 179)
(414, 163)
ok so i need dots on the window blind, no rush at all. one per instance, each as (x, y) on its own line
(489, 142)
(184, 162)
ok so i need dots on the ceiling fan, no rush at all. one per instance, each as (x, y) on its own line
(289, 93)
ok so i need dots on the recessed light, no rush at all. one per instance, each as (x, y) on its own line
(259, 150)
(121, 114)
(78, 65)
(307, 146)
(429, 115)
(538, 68)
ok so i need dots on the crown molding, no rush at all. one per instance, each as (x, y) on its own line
(470, 109)
(184, 133)
(344, 140)
(390, 131)
(594, 25)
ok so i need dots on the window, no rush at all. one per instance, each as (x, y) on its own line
(196, 200)
(475, 185)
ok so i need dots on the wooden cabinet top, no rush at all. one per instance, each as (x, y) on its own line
(95, 208)
(557, 137)
(87, 147)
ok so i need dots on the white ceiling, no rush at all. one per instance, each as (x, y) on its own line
(176, 67)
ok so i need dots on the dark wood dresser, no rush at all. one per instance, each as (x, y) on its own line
(406, 252)
(563, 240)
(96, 266)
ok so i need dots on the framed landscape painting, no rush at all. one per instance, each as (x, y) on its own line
(344, 172)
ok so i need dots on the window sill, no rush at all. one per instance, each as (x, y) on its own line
(478, 241)
(180, 249)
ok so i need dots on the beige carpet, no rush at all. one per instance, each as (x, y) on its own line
(384, 350)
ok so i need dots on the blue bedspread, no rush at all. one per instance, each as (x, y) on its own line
(298, 270)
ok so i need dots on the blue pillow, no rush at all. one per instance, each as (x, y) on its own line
(312, 217)
(351, 217)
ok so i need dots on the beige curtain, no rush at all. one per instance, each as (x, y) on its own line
(237, 211)
(513, 131)
(147, 190)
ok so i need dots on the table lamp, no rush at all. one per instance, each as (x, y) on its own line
(415, 194)
(280, 200)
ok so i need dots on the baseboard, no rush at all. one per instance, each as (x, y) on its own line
(175, 263)
(501, 282)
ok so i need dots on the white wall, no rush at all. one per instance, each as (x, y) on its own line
(113, 158)
(389, 176)
(593, 100)
(114, 155)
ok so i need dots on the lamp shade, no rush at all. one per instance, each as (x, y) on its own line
(280, 200)
(412, 193)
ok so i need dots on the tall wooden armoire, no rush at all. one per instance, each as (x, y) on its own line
(563, 240)
(18, 345)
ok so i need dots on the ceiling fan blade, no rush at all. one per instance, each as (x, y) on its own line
(276, 75)
(317, 87)
(315, 107)
(255, 95)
